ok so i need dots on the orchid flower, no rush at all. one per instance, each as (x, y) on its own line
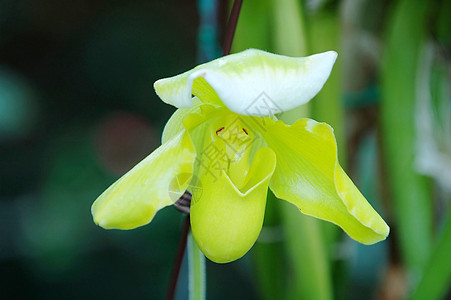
(226, 146)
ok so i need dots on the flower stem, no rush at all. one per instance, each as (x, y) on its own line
(196, 267)
(178, 260)
(231, 26)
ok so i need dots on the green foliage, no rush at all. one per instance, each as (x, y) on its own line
(411, 195)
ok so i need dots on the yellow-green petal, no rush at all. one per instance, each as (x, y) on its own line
(179, 120)
(308, 175)
(189, 118)
(252, 82)
(175, 123)
(157, 181)
(226, 220)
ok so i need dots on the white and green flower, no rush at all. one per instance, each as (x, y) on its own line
(226, 146)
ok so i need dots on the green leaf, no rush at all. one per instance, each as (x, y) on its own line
(410, 192)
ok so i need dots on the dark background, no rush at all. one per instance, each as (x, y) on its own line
(77, 110)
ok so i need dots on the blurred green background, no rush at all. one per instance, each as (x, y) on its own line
(78, 109)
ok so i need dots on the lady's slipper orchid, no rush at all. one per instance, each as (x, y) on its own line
(226, 146)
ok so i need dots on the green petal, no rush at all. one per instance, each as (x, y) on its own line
(227, 220)
(252, 82)
(308, 175)
(190, 117)
(157, 181)
(175, 123)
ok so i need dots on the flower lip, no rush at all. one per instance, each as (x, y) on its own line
(226, 225)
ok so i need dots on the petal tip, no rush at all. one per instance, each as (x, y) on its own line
(387, 230)
(332, 54)
(173, 93)
(98, 218)
(102, 223)
(324, 62)
(331, 57)
(328, 57)
(157, 86)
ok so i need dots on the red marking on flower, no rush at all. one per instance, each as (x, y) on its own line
(219, 130)
(245, 131)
